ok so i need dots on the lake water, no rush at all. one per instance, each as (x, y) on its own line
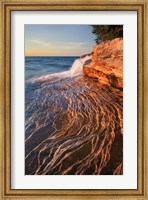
(43, 65)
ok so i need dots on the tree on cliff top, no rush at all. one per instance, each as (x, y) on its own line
(107, 32)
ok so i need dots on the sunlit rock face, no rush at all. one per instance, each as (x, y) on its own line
(107, 63)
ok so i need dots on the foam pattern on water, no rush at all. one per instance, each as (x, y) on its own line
(73, 127)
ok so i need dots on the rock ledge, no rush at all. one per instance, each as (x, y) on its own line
(107, 63)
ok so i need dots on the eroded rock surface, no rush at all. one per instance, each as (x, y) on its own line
(107, 63)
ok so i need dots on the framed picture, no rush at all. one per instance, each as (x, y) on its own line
(73, 100)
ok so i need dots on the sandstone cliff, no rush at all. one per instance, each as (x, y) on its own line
(107, 63)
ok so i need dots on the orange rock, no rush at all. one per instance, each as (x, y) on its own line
(107, 63)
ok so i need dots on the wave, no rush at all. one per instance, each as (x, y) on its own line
(78, 65)
(74, 70)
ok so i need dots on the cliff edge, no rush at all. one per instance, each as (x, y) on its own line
(107, 63)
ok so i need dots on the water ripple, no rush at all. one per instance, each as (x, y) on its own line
(74, 127)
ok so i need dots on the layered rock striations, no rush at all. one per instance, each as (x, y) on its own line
(107, 63)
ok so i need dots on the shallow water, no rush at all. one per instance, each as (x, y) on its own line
(73, 127)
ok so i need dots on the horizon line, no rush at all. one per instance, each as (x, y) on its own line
(54, 56)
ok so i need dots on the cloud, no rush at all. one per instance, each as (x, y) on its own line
(39, 42)
(72, 45)
(64, 45)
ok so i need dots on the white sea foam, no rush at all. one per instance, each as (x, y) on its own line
(75, 69)
(77, 66)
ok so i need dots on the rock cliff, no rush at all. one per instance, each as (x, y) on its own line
(107, 63)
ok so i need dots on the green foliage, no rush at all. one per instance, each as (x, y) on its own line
(107, 32)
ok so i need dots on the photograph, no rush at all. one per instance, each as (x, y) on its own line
(73, 99)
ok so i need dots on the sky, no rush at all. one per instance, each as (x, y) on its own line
(58, 40)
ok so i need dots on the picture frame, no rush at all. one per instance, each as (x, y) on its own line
(5, 101)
